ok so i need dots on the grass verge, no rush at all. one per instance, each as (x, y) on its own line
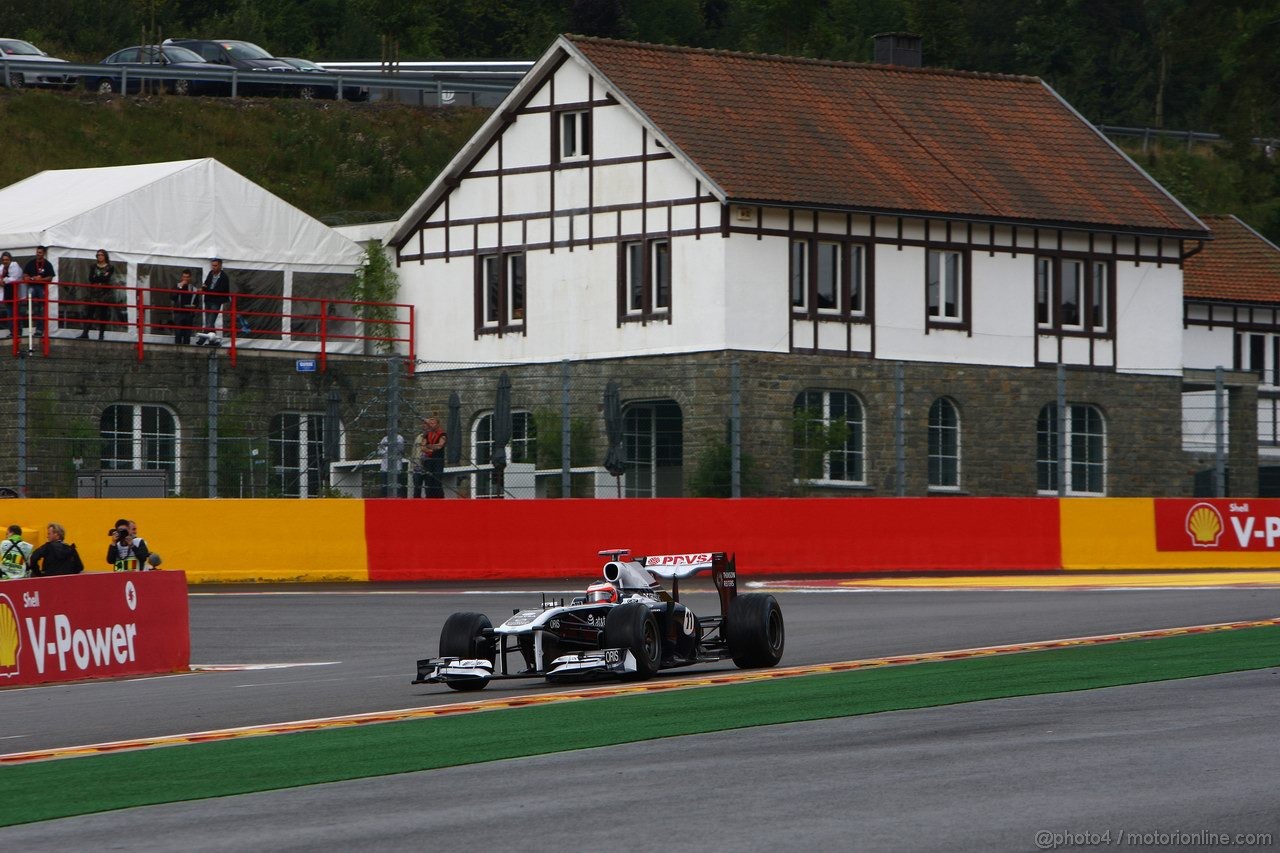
(29, 792)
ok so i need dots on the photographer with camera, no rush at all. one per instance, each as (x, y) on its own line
(127, 552)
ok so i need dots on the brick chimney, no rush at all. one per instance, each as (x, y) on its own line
(899, 49)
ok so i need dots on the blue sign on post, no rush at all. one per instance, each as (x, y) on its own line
(306, 365)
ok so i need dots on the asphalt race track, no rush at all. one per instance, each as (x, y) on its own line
(1192, 755)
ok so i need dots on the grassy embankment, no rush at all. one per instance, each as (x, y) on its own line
(340, 162)
(172, 774)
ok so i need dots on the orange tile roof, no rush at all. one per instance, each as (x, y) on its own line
(785, 130)
(1240, 265)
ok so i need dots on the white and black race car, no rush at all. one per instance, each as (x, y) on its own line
(626, 626)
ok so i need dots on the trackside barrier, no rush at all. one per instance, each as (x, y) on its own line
(93, 626)
(460, 540)
(228, 540)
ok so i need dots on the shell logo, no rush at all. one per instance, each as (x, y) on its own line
(10, 638)
(1204, 525)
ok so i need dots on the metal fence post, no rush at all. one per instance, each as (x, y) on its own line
(22, 424)
(1220, 433)
(332, 427)
(391, 477)
(213, 424)
(566, 446)
(1062, 431)
(900, 429)
(735, 429)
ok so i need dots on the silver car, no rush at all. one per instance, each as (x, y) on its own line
(14, 52)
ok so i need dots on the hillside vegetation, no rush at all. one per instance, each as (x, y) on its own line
(340, 162)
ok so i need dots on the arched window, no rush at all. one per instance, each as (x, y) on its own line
(523, 448)
(1086, 445)
(136, 436)
(944, 445)
(829, 436)
(296, 454)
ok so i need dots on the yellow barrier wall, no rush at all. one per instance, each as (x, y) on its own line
(216, 540)
(1120, 533)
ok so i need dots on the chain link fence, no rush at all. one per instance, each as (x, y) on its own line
(95, 421)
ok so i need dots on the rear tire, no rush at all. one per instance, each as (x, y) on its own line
(755, 631)
(460, 638)
(17, 80)
(307, 93)
(106, 87)
(182, 87)
(634, 627)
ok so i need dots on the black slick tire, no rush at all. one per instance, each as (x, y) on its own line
(634, 627)
(755, 631)
(460, 638)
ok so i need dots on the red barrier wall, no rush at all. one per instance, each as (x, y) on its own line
(93, 626)
(462, 540)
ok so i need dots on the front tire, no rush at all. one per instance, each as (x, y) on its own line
(182, 87)
(106, 87)
(461, 638)
(17, 80)
(755, 632)
(307, 93)
(634, 627)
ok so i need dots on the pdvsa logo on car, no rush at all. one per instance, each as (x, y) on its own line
(678, 560)
(1218, 525)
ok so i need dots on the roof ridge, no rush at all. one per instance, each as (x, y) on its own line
(802, 60)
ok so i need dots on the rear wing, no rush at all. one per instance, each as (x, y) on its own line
(723, 567)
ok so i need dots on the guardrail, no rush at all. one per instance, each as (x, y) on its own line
(155, 317)
(1191, 137)
(424, 81)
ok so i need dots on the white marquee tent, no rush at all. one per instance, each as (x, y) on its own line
(185, 211)
(157, 218)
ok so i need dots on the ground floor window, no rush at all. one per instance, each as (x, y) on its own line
(1086, 447)
(829, 437)
(140, 437)
(296, 454)
(522, 448)
(944, 445)
(653, 447)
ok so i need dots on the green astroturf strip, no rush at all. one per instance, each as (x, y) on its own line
(99, 783)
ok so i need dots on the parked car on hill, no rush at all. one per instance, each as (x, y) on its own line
(155, 56)
(241, 55)
(324, 88)
(17, 51)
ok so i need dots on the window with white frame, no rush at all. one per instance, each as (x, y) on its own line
(296, 454)
(501, 290)
(828, 275)
(944, 445)
(944, 286)
(1086, 448)
(136, 436)
(575, 134)
(646, 278)
(1260, 354)
(1073, 294)
(522, 448)
(653, 449)
(829, 438)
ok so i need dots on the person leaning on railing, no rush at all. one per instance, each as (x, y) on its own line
(37, 275)
(56, 557)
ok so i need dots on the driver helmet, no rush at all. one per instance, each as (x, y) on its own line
(602, 592)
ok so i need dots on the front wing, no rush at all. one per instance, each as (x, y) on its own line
(579, 666)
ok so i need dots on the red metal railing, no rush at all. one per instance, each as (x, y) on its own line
(250, 321)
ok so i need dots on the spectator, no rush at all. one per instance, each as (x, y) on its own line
(125, 553)
(186, 301)
(37, 275)
(216, 292)
(428, 459)
(11, 274)
(101, 297)
(15, 555)
(56, 557)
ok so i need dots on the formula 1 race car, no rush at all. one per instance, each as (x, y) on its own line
(626, 626)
